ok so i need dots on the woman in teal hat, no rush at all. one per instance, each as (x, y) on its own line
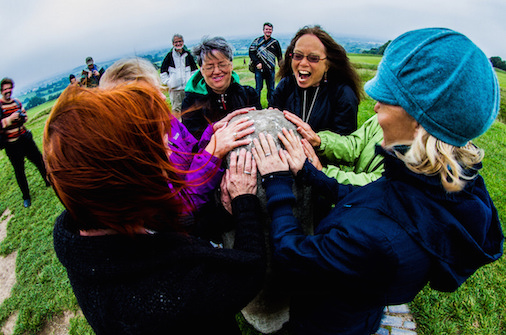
(214, 91)
(429, 219)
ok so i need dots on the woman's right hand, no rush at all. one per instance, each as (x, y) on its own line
(241, 176)
(304, 129)
(266, 155)
(230, 136)
(223, 122)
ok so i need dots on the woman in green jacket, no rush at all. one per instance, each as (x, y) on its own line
(351, 159)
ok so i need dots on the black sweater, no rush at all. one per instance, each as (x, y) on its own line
(165, 283)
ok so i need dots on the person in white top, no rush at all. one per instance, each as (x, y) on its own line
(177, 68)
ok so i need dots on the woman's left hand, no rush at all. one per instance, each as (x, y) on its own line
(241, 176)
(266, 155)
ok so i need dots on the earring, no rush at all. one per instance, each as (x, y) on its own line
(325, 77)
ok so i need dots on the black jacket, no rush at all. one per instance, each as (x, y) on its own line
(201, 106)
(335, 107)
(165, 283)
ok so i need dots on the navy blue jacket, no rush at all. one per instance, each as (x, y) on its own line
(380, 245)
(335, 107)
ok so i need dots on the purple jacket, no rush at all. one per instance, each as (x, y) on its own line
(203, 170)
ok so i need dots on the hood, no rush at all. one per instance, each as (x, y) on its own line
(461, 230)
(197, 84)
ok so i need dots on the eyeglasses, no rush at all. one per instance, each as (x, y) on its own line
(221, 65)
(310, 58)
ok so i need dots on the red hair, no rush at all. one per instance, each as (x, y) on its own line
(107, 160)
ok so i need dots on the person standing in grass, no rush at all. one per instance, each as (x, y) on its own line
(177, 68)
(19, 142)
(428, 220)
(133, 267)
(263, 52)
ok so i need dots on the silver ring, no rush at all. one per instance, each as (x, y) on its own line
(235, 135)
(310, 160)
(247, 172)
(268, 154)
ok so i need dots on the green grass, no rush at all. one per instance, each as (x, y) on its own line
(42, 290)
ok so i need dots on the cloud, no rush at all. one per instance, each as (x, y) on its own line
(45, 37)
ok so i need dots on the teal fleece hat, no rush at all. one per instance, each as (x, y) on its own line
(443, 80)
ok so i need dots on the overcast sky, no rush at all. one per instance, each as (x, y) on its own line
(40, 38)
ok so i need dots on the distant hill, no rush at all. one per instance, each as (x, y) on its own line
(51, 88)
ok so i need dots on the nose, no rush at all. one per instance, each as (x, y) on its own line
(376, 107)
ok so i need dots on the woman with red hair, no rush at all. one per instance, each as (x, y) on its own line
(132, 266)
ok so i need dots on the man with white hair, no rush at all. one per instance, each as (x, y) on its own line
(177, 68)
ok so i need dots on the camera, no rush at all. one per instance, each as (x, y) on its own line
(21, 114)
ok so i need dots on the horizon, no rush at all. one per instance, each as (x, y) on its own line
(47, 37)
(28, 87)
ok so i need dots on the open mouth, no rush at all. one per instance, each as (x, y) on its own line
(218, 78)
(304, 74)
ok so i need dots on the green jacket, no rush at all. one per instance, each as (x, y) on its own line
(352, 159)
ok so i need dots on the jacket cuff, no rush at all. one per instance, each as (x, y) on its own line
(278, 188)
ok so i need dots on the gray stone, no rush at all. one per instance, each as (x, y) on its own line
(396, 331)
(410, 325)
(399, 309)
(393, 321)
(269, 310)
(382, 331)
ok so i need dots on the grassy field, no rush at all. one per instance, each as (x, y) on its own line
(42, 291)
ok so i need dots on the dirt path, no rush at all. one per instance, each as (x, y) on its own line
(59, 325)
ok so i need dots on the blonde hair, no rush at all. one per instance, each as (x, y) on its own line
(430, 156)
(131, 70)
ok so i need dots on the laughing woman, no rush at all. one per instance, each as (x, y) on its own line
(318, 83)
(214, 91)
(429, 219)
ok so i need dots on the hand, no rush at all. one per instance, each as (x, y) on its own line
(226, 201)
(311, 154)
(241, 176)
(294, 150)
(95, 73)
(304, 129)
(259, 66)
(226, 119)
(267, 157)
(229, 137)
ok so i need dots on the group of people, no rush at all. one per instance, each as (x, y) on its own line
(139, 246)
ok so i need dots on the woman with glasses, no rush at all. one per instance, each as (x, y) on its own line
(318, 83)
(429, 219)
(214, 91)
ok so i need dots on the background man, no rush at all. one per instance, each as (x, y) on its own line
(91, 75)
(20, 142)
(263, 52)
(177, 68)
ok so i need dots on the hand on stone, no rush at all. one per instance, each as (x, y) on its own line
(226, 201)
(241, 176)
(229, 137)
(266, 155)
(226, 119)
(294, 150)
(311, 154)
(304, 129)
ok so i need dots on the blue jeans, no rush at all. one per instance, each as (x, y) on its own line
(268, 76)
